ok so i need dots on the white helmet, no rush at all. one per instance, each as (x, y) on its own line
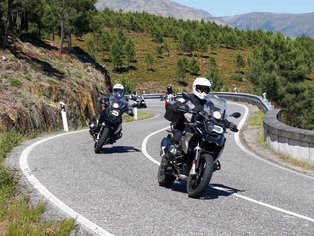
(201, 87)
(119, 89)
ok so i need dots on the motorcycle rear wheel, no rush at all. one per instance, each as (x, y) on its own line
(164, 179)
(102, 140)
(198, 183)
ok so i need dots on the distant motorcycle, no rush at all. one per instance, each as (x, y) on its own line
(106, 127)
(139, 101)
(195, 158)
(169, 98)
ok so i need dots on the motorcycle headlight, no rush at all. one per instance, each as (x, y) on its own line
(211, 127)
(217, 115)
(115, 105)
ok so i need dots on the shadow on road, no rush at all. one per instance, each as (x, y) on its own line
(118, 149)
(213, 191)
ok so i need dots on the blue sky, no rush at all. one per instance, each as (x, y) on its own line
(235, 7)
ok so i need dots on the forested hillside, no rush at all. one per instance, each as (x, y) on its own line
(147, 52)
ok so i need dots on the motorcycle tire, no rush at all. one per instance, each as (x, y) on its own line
(164, 179)
(102, 140)
(198, 183)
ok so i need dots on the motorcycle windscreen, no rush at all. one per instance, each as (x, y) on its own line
(117, 101)
(215, 103)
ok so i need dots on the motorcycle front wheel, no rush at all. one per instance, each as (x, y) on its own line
(164, 179)
(198, 183)
(102, 140)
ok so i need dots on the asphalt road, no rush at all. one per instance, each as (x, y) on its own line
(116, 192)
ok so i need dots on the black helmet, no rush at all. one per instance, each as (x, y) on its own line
(169, 89)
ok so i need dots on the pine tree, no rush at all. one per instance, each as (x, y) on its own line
(117, 54)
(129, 51)
(181, 68)
(194, 66)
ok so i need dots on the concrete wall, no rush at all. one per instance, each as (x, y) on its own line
(287, 140)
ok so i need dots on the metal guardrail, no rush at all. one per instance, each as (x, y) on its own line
(262, 103)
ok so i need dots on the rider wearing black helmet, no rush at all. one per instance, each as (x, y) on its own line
(169, 96)
(169, 89)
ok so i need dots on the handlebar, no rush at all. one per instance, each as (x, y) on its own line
(229, 125)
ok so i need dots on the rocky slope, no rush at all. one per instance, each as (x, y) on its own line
(35, 77)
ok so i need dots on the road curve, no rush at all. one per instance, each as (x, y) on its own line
(116, 192)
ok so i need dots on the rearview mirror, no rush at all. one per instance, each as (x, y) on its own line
(236, 115)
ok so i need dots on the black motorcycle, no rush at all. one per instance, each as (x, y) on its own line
(196, 156)
(139, 101)
(106, 127)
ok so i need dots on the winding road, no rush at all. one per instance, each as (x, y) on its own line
(117, 193)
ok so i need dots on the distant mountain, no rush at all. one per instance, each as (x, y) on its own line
(161, 7)
(291, 25)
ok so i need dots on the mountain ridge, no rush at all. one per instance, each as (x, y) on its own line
(164, 8)
(290, 24)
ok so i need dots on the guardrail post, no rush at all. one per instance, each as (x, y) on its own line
(135, 113)
(64, 117)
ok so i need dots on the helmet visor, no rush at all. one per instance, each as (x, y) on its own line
(202, 89)
(118, 91)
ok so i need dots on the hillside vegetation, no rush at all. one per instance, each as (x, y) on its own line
(68, 52)
(148, 52)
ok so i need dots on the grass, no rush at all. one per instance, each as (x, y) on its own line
(304, 165)
(141, 115)
(17, 216)
(256, 119)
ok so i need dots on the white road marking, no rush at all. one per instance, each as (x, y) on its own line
(23, 161)
(52, 198)
(144, 150)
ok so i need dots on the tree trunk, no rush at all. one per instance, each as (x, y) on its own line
(8, 24)
(62, 32)
(24, 21)
(70, 41)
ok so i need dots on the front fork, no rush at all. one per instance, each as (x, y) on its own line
(97, 137)
(195, 162)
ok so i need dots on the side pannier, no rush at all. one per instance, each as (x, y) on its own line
(172, 112)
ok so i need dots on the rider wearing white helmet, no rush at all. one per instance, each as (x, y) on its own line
(201, 87)
(190, 105)
(118, 89)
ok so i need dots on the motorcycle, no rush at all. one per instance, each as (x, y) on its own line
(139, 101)
(169, 98)
(106, 127)
(196, 156)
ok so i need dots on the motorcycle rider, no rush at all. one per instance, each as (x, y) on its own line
(189, 106)
(169, 96)
(118, 90)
